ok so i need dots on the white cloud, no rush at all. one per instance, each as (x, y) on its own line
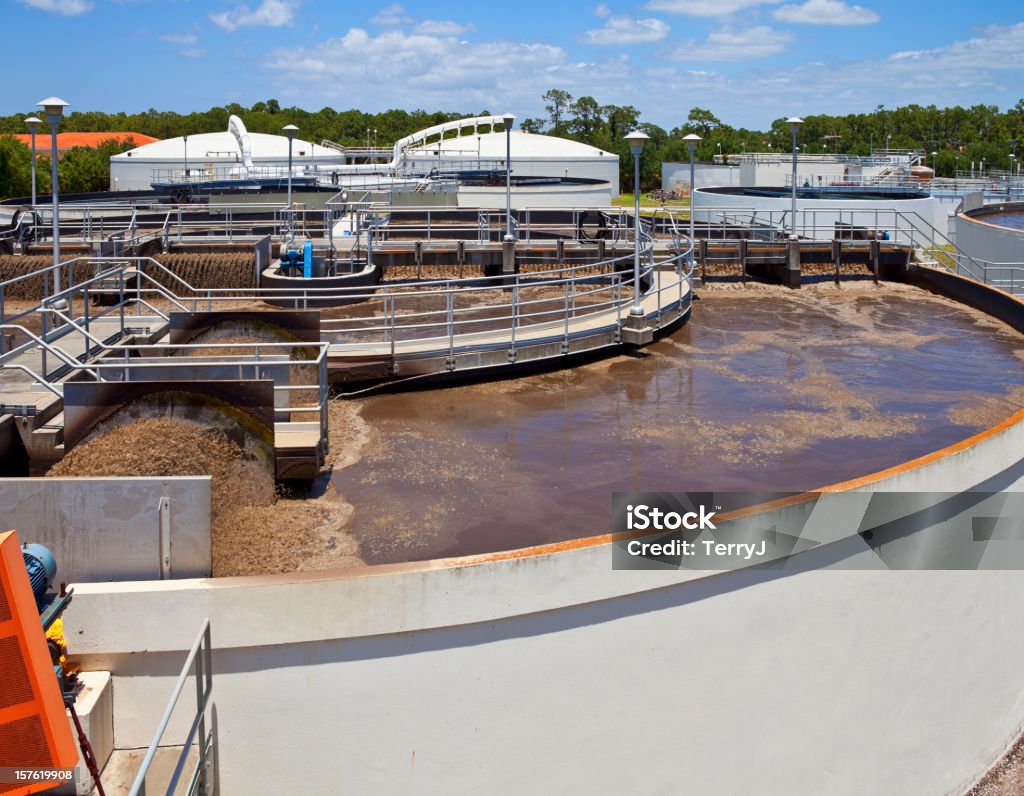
(192, 52)
(394, 68)
(626, 30)
(603, 11)
(826, 12)
(962, 73)
(433, 27)
(415, 70)
(179, 38)
(729, 44)
(68, 8)
(391, 16)
(705, 8)
(269, 13)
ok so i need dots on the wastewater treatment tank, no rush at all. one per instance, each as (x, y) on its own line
(819, 207)
(993, 233)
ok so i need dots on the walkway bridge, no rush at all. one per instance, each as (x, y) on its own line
(74, 358)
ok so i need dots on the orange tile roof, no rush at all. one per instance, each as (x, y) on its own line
(68, 140)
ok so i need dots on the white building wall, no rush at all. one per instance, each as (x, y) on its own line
(136, 174)
(676, 176)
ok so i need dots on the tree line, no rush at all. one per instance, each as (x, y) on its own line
(956, 135)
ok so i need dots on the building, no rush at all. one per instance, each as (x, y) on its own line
(66, 141)
(474, 143)
(232, 153)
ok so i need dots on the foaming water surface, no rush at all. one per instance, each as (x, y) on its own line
(761, 390)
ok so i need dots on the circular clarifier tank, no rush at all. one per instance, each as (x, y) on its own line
(823, 211)
(993, 234)
(765, 389)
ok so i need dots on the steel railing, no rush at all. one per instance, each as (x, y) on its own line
(204, 778)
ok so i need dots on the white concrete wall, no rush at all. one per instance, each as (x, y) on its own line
(547, 671)
(777, 170)
(595, 168)
(816, 218)
(983, 239)
(527, 196)
(136, 174)
(103, 529)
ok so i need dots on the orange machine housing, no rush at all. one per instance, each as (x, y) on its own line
(34, 729)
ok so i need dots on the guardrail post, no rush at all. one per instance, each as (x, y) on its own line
(45, 323)
(449, 300)
(565, 342)
(515, 319)
(202, 675)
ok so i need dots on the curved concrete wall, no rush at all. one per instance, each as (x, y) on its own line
(527, 196)
(545, 670)
(821, 214)
(979, 235)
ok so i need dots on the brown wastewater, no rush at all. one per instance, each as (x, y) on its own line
(765, 389)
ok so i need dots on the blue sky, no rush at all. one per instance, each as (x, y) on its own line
(749, 61)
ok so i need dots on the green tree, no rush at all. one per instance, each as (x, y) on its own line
(558, 103)
(532, 125)
(15, 168)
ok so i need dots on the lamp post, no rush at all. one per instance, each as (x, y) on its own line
(54, 109)
(1012, 158)
(794, 123)
(934, 172)
(32, 123)
(636, 141)
(290, 130)
(719, 151)
(691, 142)
(508, 120)
(185, 139)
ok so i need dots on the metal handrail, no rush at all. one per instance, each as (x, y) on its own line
(58, 352)
(205, 778)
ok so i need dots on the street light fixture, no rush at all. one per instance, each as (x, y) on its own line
(794, 123)
(934, 172)
(32, 123)
(508, 120)
(290, 130)
(54, 110)
(691, 142)
(636, 141)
